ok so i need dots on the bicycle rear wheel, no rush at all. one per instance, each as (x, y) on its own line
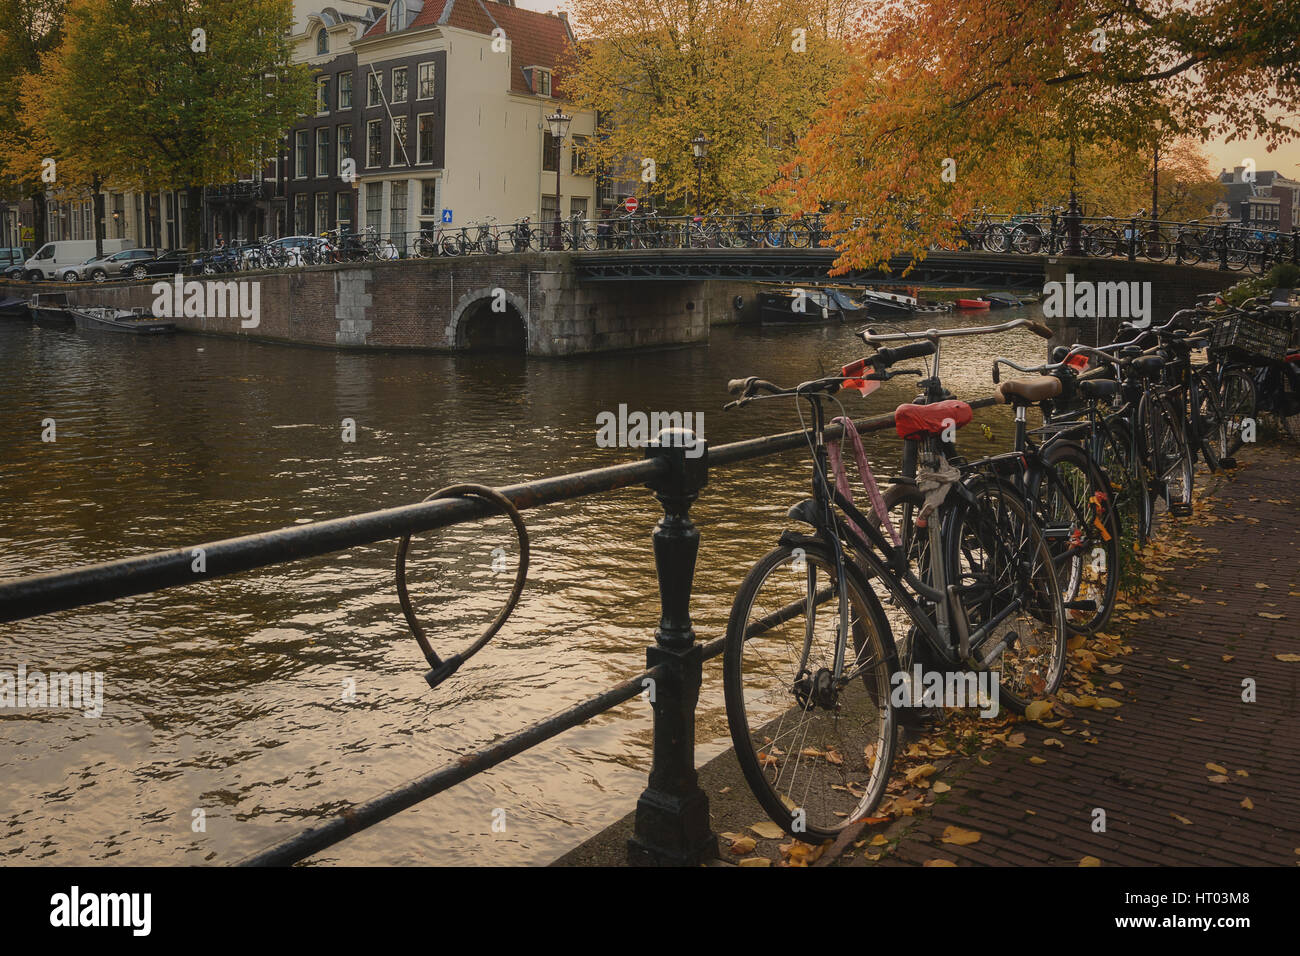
(1164, 446)
(815, 752)
(1237, 400)
(1113, 450)
(1075, 504)
(1003, 569)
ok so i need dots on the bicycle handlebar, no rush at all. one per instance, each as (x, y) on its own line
(872, 338)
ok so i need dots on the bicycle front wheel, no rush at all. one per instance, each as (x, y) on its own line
(1164, 443)
(1237, 400)
(815, 748)
(1076, 506)
(1003, 570)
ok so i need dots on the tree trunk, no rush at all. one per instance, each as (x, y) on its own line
(95, 185)
(39, 216)
(193, 217)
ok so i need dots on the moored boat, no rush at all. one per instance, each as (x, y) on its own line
(50, 309)
(797, 307)
(132, 322)
(972, 305)
(13, 308)
(1002, 300)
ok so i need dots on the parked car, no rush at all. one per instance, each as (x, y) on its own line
(73, 273)
(165, 264)
(50, 257)
(118, 264)
(13, 256)
(15, 273)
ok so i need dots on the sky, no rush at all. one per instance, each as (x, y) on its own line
(1224, 154)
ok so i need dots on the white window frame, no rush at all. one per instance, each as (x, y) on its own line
(406, 86)
(369, 124)
(323, 101)
(420, 72)
(400, 153)
(375, 85)
(433, 139)
(338, 95)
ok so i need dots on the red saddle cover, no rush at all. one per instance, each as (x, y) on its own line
(912, 420)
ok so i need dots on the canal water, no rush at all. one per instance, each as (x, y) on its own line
(227, 723)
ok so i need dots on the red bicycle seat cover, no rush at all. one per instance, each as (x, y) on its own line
(912, 420)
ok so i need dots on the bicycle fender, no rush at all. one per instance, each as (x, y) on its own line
(805, 511)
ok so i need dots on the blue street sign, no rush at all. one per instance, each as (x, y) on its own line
(446, 215)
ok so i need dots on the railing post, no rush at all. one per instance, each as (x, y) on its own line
(672, 816)
(1073, 221)
(1133, 239)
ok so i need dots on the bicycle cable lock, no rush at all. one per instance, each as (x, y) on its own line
(440, 669)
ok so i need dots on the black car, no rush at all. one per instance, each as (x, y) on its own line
(167, 264)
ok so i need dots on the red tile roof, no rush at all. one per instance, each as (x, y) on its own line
(536, 39)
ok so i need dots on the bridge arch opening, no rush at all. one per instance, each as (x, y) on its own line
(483, 329)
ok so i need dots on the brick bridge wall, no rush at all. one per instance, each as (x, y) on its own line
(422, 304)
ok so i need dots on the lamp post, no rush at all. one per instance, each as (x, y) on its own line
(559, 124)
(1073, 247)
(700, 149)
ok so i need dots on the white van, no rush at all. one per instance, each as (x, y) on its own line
(52, 256)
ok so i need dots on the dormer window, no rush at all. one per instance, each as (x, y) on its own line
(402, 13)
(541, 81)
(322, 41)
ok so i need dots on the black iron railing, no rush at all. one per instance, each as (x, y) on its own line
(672, 817)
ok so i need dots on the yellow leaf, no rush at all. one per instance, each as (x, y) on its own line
(1037, 709)
(1217, 778)
(1182, 820)
(1108, 702)
(1288, 658)
(744, 844)
(1271, 617)
(942, 862)
(1247, 804)
(1216, 768)
(941, 787)
(755, 861)
(920, 773)
(767, 830)
(879, 840)
(959, 837)
(1053, 742)
(1090, 861)
(1037, 760)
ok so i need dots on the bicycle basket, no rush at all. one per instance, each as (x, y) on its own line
(1262, 338)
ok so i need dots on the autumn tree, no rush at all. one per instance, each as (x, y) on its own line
(169, 94)
(944, 96)
(747, 74)
(30, 29)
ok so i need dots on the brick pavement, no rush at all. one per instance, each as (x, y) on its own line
(1180, 687)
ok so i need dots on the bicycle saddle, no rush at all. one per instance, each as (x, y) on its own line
(1147, 366)
(913, 420)
(1098, 388)
(1030, 390)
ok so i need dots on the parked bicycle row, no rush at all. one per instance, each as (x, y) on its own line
(978, 570)
(1229, 246)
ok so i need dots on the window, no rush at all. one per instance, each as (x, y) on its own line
(397, 214)
(429, 199)
(425, 79)
(322, 212)
(541, 82)
(300, 213)
(604, 190)
(322, 41)
(345, 91)
(399, 85)
(322, 94)
(345, 145)
(550, 153)
(374, 206)
(548, 211)
(300, 152)
(374, 88)
(323, 151)
(374, 143)
(424, 138)
(343, 218)
(399, 142)
(578, 157)
(578, 208)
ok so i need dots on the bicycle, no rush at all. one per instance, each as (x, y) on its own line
(1000, 607)
(477, 237)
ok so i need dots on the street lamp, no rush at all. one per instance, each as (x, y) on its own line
(559, 124)
(700, 148)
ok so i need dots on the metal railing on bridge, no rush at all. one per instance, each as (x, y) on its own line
(1231, 247)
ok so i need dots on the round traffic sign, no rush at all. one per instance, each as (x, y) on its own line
(631, 204)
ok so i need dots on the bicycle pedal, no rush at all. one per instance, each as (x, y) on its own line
(1180, 509)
